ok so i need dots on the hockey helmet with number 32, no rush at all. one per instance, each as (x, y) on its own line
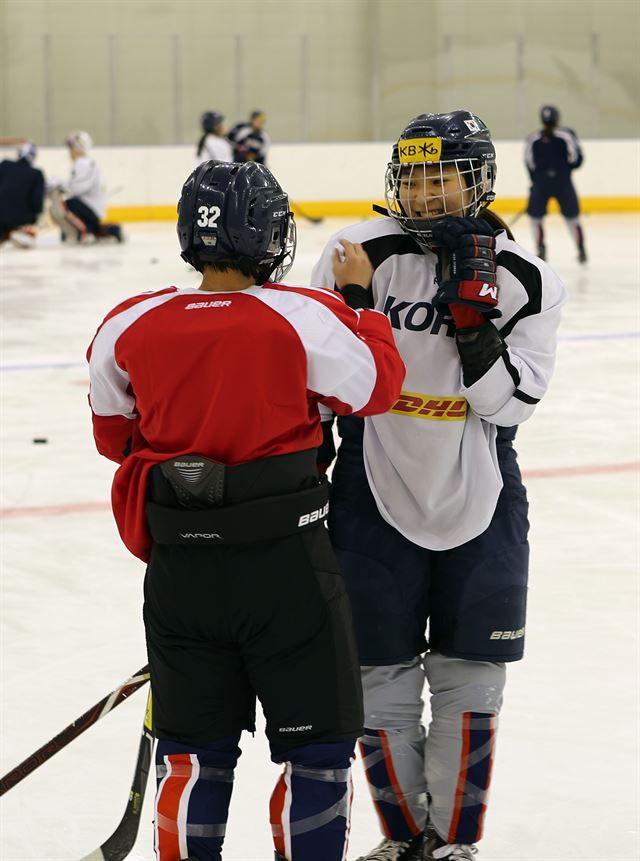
(230, 210)
(435, 153)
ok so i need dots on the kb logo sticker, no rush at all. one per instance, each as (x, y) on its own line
(419, 150)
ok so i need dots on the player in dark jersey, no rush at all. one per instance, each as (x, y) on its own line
(209, 400)
(428, 510)
(21, 192)
(249, 139)
(551, 156)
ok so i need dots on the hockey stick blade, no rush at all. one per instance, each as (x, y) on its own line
(91, 716)
(122, 841)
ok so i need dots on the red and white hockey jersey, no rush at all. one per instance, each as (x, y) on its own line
(233, 376)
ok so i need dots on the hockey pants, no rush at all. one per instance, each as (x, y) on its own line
(310, 806)
(445, 773)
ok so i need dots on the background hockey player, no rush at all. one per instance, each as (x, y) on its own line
(428, 512)
(21, 194)
(249, 139)
(212, 143)
(79, 207)
(208, 398)
(551, 155)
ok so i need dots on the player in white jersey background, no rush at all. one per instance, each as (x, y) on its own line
(213, 143)
(428, 512)
(80, 204)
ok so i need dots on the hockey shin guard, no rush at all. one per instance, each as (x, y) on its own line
(466, 697)
(576, 231)
(310, 809)
(73, 228)
(192, 801)
(392, 747)
(538, 232)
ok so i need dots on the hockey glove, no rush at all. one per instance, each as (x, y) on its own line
(466, 271)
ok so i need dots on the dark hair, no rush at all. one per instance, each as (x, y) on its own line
(258, 270)
(201, 144)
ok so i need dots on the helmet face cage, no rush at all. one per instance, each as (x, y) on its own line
(281, 250)
(419, 194)
(443, 165)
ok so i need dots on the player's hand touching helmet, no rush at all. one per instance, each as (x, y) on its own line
(466, 271)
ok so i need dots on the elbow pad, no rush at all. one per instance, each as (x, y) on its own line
(478, 349)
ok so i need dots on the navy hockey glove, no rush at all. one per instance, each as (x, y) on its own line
(466, 271)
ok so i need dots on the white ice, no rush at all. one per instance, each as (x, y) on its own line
(566, 776)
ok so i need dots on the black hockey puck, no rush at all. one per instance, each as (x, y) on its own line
(40, 439)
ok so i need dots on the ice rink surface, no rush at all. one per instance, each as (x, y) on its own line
(566, 775)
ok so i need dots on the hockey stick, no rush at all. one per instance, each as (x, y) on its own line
(121, 842)
(91, 716)
(516, 217)
(312, 218)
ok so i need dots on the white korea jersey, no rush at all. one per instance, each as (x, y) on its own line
(431, 461)
(214, 147)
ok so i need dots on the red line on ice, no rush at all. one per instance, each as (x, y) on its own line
(527, 474)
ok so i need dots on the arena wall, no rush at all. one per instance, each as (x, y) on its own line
(341, 179)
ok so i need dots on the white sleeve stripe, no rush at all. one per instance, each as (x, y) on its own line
(572, 149)
(339, 363)
(529, 152)
(109, 396)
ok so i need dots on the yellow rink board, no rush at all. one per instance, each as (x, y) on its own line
(362, 208)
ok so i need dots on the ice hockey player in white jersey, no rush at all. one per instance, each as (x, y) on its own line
(80, 205)
(428, 512)
(213, 144)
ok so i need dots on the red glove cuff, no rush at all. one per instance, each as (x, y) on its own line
(465, 317)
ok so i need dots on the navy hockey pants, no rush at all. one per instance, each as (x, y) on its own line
(561, 189)
(473, 597)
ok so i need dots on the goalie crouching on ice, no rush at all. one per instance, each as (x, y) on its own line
(209, 399)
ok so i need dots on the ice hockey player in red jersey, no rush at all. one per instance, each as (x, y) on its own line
(209, 400)
(428, 511)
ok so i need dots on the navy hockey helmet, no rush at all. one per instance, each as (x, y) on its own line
(210, 120)
(442, 165)
(549, 115)
(228, 209)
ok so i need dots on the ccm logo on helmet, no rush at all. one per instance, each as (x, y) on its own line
(318, 514)
(280, 213)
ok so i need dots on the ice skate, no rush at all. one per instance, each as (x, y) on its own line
(396, 850)
(542, 252)
(437, 849)
(582, 254)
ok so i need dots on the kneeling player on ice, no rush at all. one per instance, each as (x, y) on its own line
(428, 511)
(209, 400)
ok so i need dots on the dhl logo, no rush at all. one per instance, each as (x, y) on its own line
(429, 407)
(419, 150)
